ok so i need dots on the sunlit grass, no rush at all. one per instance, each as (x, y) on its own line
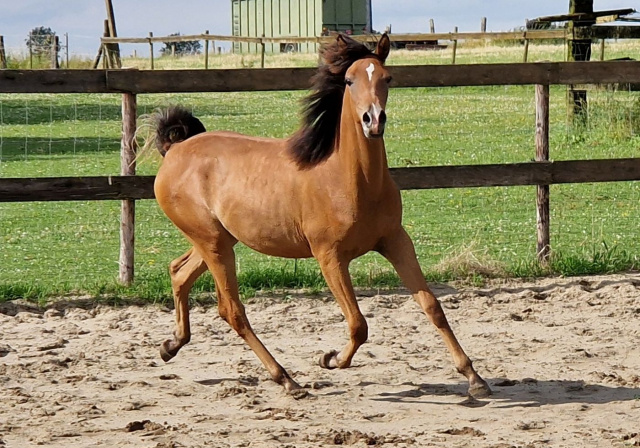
(62, 247)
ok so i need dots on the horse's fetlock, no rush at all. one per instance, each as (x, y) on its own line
(466, 368)
(360, 332)
(181, 339)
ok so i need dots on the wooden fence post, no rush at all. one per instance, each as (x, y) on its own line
(578, 50)
(455, 47)
(102, 51)
(432, 26)
(66, 50)
(526, 50)
(206, 51)
(114, 49)
(262, 51)
(3, 54)
(128, 207)
(151, 49)
(106, 49)
(96, 61)
(542, 155)
(483, 25)
(30, 50)
(602, 49)
(55, 46)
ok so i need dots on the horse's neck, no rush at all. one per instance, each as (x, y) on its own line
(362, 160)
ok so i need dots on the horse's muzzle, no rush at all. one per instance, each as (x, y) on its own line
(373, 122)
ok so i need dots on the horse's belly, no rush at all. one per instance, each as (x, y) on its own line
(279, 248)
(270, 236)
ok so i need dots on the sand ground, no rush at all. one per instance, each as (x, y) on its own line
(562, 356)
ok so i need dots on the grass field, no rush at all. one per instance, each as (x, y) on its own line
(71, 247)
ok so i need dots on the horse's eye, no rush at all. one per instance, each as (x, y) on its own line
(388, 79)
(348, 81)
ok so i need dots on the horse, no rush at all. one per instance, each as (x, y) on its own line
(324, 192)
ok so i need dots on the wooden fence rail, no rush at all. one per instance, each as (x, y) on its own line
(269, 79)
(103, 188)
(131, 82)
(262, 41)
(587, 32)
(508, 35)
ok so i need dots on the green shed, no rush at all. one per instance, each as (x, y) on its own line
(296, 18)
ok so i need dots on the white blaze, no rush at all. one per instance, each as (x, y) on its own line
(370, 70)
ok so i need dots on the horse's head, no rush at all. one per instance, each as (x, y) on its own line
(368, 81)
(365, 94)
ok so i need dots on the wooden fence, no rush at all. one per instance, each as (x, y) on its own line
(526, 36)
(129, 83)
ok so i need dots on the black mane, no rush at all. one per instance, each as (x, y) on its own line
(315, 139)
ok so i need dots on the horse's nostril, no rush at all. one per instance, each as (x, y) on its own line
(366, 118)
(383, 118)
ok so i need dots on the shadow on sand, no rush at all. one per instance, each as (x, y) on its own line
(513, 393)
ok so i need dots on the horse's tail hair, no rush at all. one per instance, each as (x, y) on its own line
(173, 125)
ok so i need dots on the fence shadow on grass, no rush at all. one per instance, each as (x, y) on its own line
(20, 149)
(39, 111)
(43, 111)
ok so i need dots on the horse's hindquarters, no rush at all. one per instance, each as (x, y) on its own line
(247, 187)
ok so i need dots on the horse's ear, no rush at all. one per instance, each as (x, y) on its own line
(384, 44)
(342, 43)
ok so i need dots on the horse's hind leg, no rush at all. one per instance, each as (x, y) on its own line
(220, 258)
(184, 271)
(399, 250)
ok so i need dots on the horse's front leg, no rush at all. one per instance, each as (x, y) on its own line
(336, 272)
(184, 271)
(399, 250)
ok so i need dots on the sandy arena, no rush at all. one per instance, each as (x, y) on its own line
(562, 357)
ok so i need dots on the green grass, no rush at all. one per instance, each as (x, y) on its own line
(59, 248)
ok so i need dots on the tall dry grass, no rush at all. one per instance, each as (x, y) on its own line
(470, 52)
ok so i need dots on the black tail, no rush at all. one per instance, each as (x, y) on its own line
(173, 125)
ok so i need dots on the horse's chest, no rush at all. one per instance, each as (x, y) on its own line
(357, 227)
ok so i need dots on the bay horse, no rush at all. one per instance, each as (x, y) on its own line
(325, 192)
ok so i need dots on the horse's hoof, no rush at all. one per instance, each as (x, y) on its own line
(480, 389)
(166, 352)
(294, 389)
(329, 360)
(299, 394)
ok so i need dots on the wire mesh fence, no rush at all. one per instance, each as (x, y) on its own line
(75, 244)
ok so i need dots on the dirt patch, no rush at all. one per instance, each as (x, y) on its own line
(562, 356)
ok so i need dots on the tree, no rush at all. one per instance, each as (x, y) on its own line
(181, 48)
(40, 40)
